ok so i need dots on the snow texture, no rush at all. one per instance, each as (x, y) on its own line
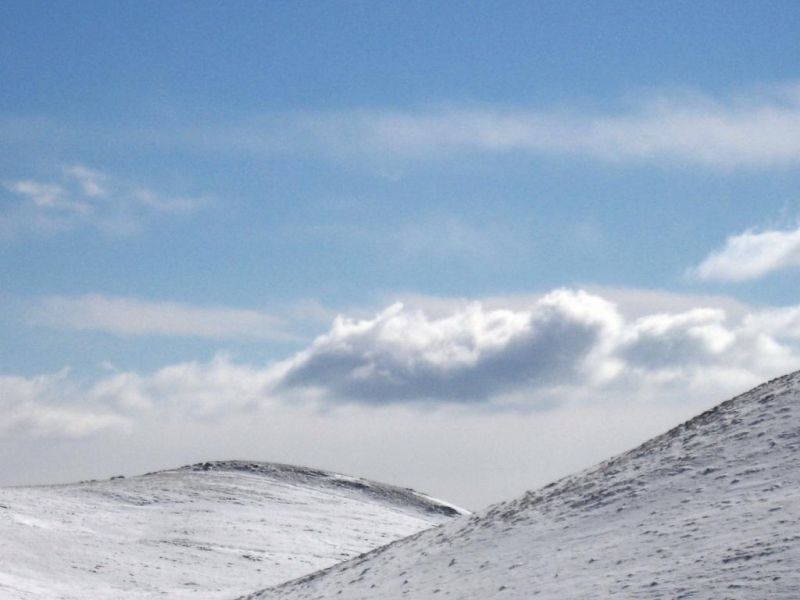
(709, 510)
(211, 530)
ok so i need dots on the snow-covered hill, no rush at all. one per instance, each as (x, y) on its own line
(212, 530)
(708, 510)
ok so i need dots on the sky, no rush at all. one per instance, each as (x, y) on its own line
(467, 248)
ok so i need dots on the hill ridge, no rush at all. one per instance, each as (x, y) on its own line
(207, 530)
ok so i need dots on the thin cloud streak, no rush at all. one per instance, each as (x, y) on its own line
(760, 129)
(125, 316)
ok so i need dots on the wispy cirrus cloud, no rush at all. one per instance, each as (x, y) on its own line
(90, 181)
(751, 255)
(126, 316)
(47, 196)
(84, 197)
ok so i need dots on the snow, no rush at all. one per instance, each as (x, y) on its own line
(206, 531)
(709, 510)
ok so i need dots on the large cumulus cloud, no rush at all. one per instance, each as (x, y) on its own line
(469, 355)
(565, 342)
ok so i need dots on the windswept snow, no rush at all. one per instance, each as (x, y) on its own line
(708, 510)
(211, 530)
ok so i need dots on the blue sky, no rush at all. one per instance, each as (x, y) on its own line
(579, 204)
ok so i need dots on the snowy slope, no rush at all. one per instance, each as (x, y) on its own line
(708, 510)
(205, 531)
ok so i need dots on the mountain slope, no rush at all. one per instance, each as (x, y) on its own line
(203, 531)
(709, 510)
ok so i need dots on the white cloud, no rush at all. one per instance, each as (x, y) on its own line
(196, 390)
(751, 255)
(86, 197)
(470, 355)
(45, 407)
(219, 387)
(780, 323)
(131, 316)
(54, 405)
(698, 336)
